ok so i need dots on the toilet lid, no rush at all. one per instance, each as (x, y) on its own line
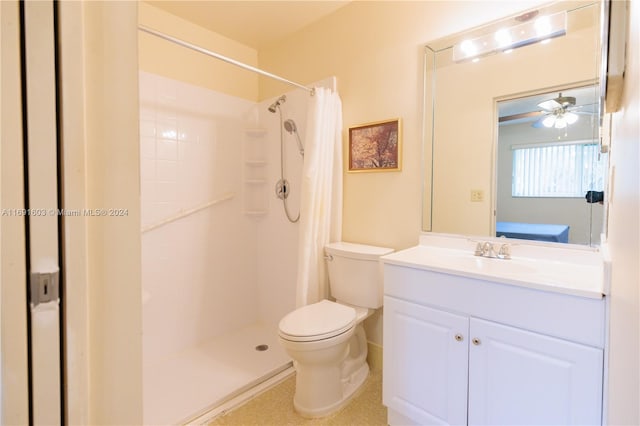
(317, 321)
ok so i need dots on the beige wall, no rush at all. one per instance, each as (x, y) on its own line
(170, 60)
(375, 51)
(113, 164)
(624, 242)
(101, 171)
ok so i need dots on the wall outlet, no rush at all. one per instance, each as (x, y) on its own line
(477, 195)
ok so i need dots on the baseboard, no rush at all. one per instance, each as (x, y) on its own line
(374, 356)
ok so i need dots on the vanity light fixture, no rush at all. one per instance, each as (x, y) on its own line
(541, 29)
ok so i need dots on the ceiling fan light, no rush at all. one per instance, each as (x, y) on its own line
(549, 121)
(571, 117)
(560, 123)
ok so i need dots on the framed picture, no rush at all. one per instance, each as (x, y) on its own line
(375, 147)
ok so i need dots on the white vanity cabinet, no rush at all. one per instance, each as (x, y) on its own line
(460, 350)
(425, 364)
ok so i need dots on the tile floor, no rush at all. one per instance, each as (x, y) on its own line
(275, 408)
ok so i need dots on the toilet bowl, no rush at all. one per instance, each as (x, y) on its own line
(326, 339)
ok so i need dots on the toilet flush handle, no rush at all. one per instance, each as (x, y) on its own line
(328, 257)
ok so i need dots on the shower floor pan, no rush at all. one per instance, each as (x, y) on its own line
(201, 378)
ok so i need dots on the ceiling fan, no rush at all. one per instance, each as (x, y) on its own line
(558, 112)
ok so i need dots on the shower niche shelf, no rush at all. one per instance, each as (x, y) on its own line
(256, 201)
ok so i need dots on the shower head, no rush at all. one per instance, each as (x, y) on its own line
(290, 126)
(273, 106)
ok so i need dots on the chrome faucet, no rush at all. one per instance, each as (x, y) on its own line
(504, 252)
(487, 249)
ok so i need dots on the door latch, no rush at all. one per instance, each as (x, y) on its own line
(44, 287)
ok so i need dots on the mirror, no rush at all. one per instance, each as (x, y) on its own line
(548, 160)
(485, 112)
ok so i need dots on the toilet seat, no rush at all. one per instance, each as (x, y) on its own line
(317, 321)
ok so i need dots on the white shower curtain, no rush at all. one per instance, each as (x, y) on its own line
(321, 197)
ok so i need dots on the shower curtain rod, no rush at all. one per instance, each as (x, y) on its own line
(222, 57)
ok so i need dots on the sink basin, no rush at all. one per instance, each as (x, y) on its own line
(561, 270)
(486, 265)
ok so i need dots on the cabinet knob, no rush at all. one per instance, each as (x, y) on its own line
(475, 341)
(459, 337)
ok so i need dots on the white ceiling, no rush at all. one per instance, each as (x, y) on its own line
(256, 24)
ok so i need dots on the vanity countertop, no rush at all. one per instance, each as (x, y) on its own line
(563, 269)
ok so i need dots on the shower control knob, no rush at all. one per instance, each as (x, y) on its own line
(282, 189)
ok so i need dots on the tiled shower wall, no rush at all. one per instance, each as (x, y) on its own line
(225, 266)
(199, 274)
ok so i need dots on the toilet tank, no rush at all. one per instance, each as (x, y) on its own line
(355, 273)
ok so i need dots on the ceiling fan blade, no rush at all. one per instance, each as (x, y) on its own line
(550, 105)
(521, 115)
(588, 108)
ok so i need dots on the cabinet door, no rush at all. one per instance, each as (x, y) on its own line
(518, 377)
(425, 366)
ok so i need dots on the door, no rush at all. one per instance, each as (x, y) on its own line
(39, 96)
(518, 377)
(425, 363)
(30, 214)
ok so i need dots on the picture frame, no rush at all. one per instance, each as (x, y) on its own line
(376, 146)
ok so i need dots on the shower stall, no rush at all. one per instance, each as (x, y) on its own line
(212, 293)
(219, 254)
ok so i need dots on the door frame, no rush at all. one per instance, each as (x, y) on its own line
(13, 284)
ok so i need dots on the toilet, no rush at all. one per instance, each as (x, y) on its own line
(326, 340)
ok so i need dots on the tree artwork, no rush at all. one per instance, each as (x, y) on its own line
(374, 146)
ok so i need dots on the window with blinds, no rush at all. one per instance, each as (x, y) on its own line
(562, 170)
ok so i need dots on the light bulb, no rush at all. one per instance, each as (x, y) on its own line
(543, 26)
(571, 117)
(468, 48)
(549, 120)
(503, 38)
(560, 123)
